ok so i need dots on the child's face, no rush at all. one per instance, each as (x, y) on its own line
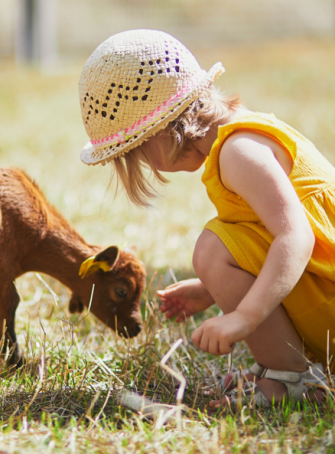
(159, 151)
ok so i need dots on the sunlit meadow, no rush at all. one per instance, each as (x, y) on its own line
(74, 405)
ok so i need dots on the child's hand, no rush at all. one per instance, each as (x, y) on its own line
(218, 335)
(185, 298)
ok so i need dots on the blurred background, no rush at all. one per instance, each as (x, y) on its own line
(48, 29)
(279, 55)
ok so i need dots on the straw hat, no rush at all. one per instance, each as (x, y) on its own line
(132, 86)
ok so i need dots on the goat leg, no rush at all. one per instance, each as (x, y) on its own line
(9, 302)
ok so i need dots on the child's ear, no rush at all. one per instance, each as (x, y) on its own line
(75, 305)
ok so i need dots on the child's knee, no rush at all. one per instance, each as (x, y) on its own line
(200, 254)
(210, 252)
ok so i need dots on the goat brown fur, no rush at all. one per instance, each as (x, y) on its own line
(34, 236)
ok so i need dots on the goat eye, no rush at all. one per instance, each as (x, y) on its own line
(122, 292)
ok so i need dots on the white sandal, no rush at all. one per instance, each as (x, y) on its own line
(295, 383)
(231, 380)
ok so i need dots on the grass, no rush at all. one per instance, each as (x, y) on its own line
(67, 398)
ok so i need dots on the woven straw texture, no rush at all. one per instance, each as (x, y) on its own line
(132, 86)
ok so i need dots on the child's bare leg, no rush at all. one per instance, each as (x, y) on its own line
(228, 284)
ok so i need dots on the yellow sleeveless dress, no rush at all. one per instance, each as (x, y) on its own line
(311, 304)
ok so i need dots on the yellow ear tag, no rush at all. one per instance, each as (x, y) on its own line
(89, 266)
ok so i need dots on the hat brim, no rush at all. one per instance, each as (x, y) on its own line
(92, 156)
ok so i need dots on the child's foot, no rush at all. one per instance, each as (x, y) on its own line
(271, 389)
(226, 384)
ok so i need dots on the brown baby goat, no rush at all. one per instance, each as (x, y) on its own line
(35, 237)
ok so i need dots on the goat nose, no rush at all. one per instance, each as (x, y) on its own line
(137, 328)
(132, 330)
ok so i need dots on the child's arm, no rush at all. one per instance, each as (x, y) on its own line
(185, 298)
(249, 168)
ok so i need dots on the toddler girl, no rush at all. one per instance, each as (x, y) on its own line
(268, 258)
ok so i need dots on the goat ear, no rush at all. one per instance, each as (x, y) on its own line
(75, 305)
(105, 260)
(109, 255)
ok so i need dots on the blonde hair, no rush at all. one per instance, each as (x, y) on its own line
(131, 169)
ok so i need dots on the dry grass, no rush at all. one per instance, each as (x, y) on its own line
(67, 398)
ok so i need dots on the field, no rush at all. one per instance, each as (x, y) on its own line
(75, 406)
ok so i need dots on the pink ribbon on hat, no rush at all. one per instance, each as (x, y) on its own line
(136, 128)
